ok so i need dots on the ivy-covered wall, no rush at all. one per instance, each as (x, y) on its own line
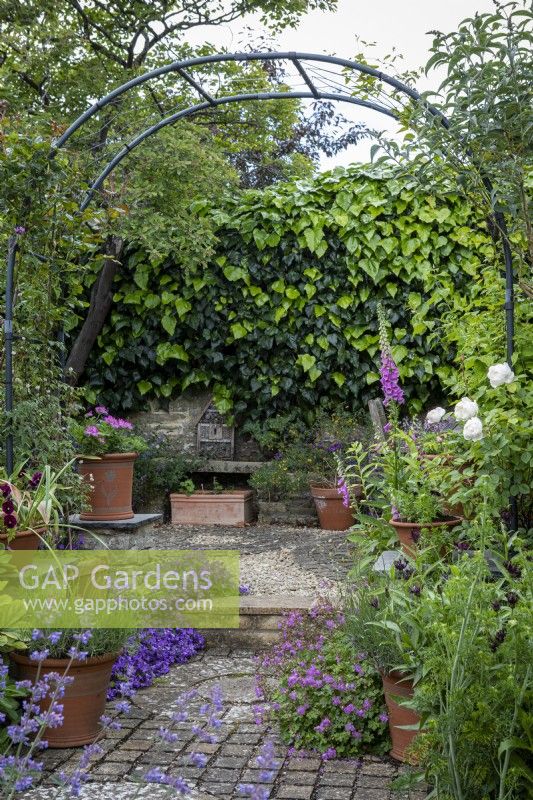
(285, 314)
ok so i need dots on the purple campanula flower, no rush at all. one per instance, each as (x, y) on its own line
(20, 230)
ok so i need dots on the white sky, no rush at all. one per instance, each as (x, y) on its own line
(391, 24)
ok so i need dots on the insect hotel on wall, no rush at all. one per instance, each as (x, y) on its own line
(214, 439)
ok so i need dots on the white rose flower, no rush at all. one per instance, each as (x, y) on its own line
(435, 415)
(465, 409)
(499, 374)
(473, 429)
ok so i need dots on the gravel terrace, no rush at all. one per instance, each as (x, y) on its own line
(231, 761)
(274, 559)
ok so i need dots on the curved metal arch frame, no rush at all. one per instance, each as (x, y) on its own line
(211, 102)
(180, 68)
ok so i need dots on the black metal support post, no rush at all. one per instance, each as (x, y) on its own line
(509, 323)
(8, 339)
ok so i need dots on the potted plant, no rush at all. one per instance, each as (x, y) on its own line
(109, 448)
(29, 506)
(282, 493)
(215, 506)
(86, 659)
(409, 491)
(384, 619)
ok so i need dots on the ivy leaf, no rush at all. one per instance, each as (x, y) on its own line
(339, 378)
(238, 331)
(182, 306)
(306, 361)
(165, 351)
(144, 387)
(169, 324)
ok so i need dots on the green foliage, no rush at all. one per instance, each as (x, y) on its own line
(10, 699)
(96, 642)
(475, 697)
(486, 96)
(160, 470)
(285, 313)
(274, 481)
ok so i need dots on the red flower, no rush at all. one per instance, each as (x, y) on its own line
(8, 507)
(10, 521)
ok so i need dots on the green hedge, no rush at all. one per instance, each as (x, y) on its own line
(285, 314)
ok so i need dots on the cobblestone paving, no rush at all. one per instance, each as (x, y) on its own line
(231, 761)
(273, 559)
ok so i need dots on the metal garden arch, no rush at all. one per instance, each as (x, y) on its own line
(315, 77)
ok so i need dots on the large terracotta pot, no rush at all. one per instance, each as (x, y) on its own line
(112, 484)
(207, 508)
(396, 684)
(408, 532)
(332, 514)
(23, 540)
(84, 700)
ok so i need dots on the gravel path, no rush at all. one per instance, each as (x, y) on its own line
(274, 559)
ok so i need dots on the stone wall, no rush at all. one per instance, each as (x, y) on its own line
(178, 423)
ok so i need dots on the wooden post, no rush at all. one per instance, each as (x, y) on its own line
(378, 417)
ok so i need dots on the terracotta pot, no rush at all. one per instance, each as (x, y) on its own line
(404, 531)
(112, 483)
(396, 684)
(207, 508)
(84, 700)
(24, 540)
(332, 514)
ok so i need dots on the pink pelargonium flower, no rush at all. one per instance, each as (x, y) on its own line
(92, 430)
(123, 423)
(101, 410)
(110, 420)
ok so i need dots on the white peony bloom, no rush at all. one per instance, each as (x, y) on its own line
(465, 409)
(499, 374)
(435, 415)
(473, 429)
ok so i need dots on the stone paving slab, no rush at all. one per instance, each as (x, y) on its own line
(231, 760)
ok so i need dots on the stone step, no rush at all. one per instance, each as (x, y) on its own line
(260, 618)
(137, 533)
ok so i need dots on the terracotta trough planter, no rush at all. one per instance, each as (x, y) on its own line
(405, 530)
(84, 700)
(23, 540)
(332, 514)
(111, 479)
(395, 684)
(207, 508)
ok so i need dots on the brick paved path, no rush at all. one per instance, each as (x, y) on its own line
(231, 760)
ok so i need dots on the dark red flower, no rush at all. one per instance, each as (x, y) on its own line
(512, 598)
(5, 489)
(8, 507)
(10, 521)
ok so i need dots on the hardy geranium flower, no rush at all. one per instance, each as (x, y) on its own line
(499, 374)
